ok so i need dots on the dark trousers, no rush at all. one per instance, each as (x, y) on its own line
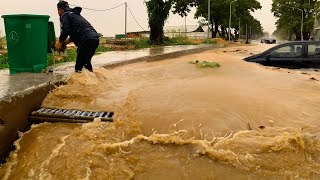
(85, 53)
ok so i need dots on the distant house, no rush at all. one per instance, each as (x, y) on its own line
(317, 30)
(138, 34)
(183, 29)
(316, 33)
(194, 31)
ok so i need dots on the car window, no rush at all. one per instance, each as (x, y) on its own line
(314, 50)
(290, 51)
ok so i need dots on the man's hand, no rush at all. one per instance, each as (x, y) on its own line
(58, 46)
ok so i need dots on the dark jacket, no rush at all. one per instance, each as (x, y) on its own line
(77, 27)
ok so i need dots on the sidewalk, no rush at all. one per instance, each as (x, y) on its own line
(19, 83)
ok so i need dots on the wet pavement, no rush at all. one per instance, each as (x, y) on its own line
(14, 84)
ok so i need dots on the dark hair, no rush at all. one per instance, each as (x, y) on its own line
(63, 5)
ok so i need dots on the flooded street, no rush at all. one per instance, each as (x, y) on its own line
(174, 120)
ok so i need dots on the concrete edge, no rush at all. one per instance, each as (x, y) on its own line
(30, 90)
(20, 105)
(162, 56)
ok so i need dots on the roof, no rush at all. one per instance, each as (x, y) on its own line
(182, 28)
(138, 32)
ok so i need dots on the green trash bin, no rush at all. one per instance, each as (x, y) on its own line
(51, 36)
(27, 42)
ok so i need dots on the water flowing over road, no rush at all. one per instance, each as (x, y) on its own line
(174, 120)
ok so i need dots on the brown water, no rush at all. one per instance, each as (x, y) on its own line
(176, 121)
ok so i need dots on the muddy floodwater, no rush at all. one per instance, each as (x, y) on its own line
(174, 120)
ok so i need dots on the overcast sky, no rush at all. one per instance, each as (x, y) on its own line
(112, 22)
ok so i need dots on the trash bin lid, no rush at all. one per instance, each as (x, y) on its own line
(25, 15)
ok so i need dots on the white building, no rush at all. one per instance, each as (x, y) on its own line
(317, 29)
(192, 31)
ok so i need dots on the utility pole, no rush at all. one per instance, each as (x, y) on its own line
(253, 34)
(209, 12)
(247, 41)
(230, 19)
(316, 22)
(125, 24)
(185, 25)
(239, 28)
(301, 24)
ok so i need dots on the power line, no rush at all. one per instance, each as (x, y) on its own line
(90, 9)
(135, 19)
(100, 9)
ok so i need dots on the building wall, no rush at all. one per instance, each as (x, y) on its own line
(193, 35)
(317, 34)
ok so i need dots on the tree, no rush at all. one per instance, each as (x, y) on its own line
(158, 13)
(219, 21)
(283, 34)
(289, 14)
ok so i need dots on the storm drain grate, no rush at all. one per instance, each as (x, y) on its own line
(68, 116)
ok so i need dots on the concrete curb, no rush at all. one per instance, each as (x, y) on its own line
(160, 57)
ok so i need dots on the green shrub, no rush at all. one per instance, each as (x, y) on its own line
(142, 42)
(2, 43)
(205, 64)
(50, 59)
(72, 55)
(179, 40)
(210, 41)
(4, 63)
(102, 49)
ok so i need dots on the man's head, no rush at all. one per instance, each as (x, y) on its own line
(62, 6)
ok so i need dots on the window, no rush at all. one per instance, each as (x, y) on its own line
(290, 51)
(314, 50)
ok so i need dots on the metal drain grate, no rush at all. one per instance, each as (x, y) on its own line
(68, 116)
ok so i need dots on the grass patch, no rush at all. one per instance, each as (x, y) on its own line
(102, 49)
(205, 64)
(72, 55)
(209, 41)
(2, 43)
(142, 43)
(178, 40)
(4, 63)
(139, 43)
